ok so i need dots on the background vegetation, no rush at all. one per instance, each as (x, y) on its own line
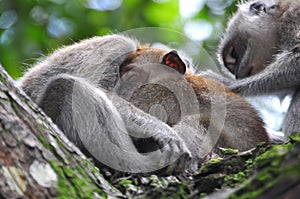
(32, 28)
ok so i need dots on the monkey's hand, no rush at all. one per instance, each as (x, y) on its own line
(240, 87)
(175, 156)
(250, 87)
(218, 76)
(154, 137)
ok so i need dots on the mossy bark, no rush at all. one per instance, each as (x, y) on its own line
(36, 159)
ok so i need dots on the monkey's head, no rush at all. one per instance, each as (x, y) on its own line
(146, 56)
(153, 80)
(251, 38)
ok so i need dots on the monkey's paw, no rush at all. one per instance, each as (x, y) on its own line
(235, 88)
(175, 154)
(241, 87)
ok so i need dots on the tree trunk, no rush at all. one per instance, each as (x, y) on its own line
(38, 161)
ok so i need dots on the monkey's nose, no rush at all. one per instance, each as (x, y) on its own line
(257, 7)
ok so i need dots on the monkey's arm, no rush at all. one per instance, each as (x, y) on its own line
(281, 75)
(155, 135)
(89, 119)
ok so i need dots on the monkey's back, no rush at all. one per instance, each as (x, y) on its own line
(236, 120)
(89, 59)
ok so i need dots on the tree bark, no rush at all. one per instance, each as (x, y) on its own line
(38, 161)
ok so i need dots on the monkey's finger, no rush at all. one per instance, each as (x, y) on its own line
(183, 163)
(182, 157)
(236, 88)
(179, 165)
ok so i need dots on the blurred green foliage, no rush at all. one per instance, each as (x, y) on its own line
(32, 28)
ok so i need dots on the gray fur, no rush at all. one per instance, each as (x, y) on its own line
(95, 59)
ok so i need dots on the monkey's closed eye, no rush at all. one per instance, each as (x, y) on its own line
(133, 75)
(230, 58)
(257, 7)
(233, 53)
(173, 60)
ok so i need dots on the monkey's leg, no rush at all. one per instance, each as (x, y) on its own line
(281, 75)
(89, 119)
(291, 122)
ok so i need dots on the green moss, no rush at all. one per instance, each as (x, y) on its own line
(274, 155)
(61, 147)
(228, 151)
(206, 166)
(71, 184)
(44, 142)
(249, 162)
(215, 160)
(125, 182)
(88, 163)
(183, 191)
(295, 137)
(249, 194)
(272, 168)
(237, 177)
(68, 171)
(265, 175)
(64, 187)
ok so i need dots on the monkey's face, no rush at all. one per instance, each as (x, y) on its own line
(152, 80)
(147, 62)
(251, 39)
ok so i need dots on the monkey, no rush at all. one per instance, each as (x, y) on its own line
(207, 91)
(102, 92)
(73, 85)
(259, 54)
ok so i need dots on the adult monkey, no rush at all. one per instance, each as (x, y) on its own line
(261, 48)
(80, 79)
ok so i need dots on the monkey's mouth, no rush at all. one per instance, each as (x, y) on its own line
(232, 55)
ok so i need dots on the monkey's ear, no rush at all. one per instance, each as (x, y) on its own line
(173, 60)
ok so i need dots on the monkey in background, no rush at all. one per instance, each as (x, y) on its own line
(261, 48)
(124, 85)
